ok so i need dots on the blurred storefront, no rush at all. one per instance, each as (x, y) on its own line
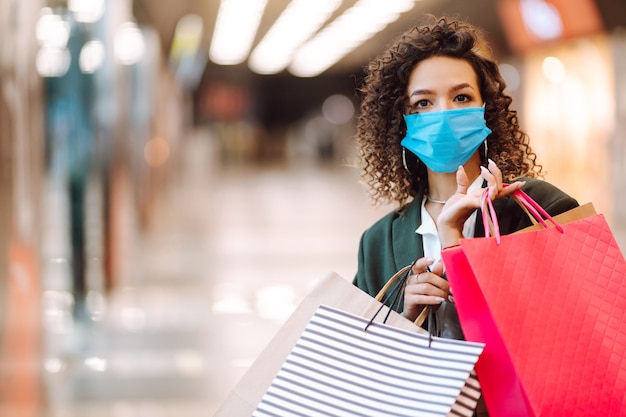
(568, 77)
(83, 137)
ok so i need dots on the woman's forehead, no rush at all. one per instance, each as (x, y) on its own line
(441, 72)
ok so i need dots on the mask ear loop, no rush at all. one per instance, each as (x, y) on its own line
(485, 152)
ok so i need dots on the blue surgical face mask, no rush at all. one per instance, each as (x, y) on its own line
(443, 140)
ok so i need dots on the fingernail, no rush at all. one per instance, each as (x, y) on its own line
(450, 299)
(439, 299)
(491, 161)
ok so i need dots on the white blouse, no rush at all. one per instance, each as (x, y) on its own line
(428, 229)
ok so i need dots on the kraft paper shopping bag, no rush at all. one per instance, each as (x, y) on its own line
(335, 293)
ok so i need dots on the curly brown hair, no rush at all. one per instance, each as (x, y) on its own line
(381, 126)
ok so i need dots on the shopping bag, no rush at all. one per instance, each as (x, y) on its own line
(339, 303)
(550, 306)
(338, 368)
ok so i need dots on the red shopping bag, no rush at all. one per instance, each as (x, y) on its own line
(550, 306)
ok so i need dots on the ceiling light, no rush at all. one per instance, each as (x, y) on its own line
(129, 44)
(187, 36)
(235, 28)
(52, 61)
(87, 11)
(300, 20)
(52, 30)
(91, 56)
(553, 69)
(338, 109)
(96, 364)
(541, 19)
(344, 34)
(185, 54)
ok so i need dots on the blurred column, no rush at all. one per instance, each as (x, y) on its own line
(107, 98)
(20, 185)
(98, 114)
(122, 43)
(138, 125)
(618, 144)
(70, 149)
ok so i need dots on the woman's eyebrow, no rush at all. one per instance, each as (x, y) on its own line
(425, 91)
(461, 87)
(421, 92)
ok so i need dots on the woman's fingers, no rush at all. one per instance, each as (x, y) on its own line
(495, 184)
(511, 188)
(462, 182)
(422, 264)
(425, 294)
(428, 279)
(426, 264)
(493, 176)
(426, 288)
(495, 171)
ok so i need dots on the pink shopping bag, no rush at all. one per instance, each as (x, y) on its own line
(550, 306)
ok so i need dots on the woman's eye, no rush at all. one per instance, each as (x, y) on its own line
(420, 104)
(417, 106)
(462, 98)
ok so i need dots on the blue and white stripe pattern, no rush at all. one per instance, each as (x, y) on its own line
(338, 369)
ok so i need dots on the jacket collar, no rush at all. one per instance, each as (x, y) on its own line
(408, 245)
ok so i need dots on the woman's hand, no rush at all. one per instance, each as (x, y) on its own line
(462, 204)
(424, 287)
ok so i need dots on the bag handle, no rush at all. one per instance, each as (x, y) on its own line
(535, 212)
(401, 277)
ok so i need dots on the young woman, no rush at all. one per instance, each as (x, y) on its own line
(435, 130)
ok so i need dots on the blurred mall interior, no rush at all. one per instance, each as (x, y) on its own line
(168, 197)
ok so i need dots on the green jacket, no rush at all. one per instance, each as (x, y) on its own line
(391, 243)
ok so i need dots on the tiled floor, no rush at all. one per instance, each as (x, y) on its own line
(230, 254)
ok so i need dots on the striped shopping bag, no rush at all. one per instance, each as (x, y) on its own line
(345, 365)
